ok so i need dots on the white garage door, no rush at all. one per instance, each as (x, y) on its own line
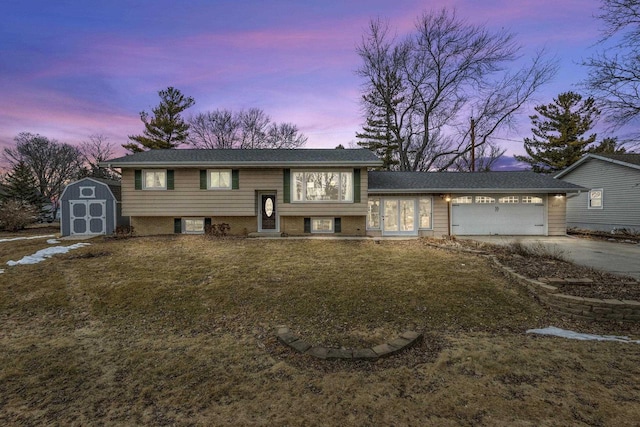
(505, 215)
(88, 216)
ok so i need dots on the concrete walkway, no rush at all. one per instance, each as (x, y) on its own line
(615, 257)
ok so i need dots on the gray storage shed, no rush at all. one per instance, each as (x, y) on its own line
(90, 206)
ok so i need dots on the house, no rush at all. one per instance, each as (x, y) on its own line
(612, 197)
(309, 191)
(266, 191)
(90, 206)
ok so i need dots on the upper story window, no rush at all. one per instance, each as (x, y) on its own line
(322, 186)
(154, 179)
(595, 198)
(219, 179)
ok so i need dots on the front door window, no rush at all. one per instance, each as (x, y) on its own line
(268, 212)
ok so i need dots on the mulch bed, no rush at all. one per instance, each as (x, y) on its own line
(605, 285)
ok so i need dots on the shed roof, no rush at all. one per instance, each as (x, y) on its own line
(459, 182)
(247, 158)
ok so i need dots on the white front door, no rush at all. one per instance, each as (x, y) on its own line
(399, 217)
(88, 216)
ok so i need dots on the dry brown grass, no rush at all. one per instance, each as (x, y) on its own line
(179, 330)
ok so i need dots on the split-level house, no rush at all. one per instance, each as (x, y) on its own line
(329, 191)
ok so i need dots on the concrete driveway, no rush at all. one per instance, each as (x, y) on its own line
(615, 257)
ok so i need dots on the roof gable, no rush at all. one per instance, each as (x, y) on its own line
(630, 160)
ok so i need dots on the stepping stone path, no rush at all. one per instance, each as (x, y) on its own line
(405, 340)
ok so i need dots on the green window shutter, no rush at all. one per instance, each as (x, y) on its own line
(235, 179)
(203, 179)
(337, 225)
(307, 225)
(138, 179)
(356, 186)
(170, 179)
(287, 186)
(177, 225)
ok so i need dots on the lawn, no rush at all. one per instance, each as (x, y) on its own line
(179, 330)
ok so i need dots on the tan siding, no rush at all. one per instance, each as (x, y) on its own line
(556, 215)
(188, 200)
(440, 217)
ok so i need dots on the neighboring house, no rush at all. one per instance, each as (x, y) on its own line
(308, 191)
(90, 206)
(612, 197)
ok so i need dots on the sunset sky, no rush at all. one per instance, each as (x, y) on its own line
(70, 69)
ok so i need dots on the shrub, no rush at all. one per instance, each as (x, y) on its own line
(217, 230)
(537, 249)
(124, 231)
(16, 214)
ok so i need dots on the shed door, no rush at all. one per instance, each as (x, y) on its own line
(88, 216)
(493, 214)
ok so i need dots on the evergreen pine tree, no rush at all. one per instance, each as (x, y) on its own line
(166, 129)
(21, 185)
(558, 131)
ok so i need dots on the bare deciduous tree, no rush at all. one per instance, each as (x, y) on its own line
(53, 163)
(95, 150)
(247, 129)
(421, 91)
(614, 74)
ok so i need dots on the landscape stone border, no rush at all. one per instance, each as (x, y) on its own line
(402, 342)
(580, 308)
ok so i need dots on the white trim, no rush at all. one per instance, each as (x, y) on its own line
(184, 227)
(589, 198)
(331, 220)
(92, 192)
(304, 199)
(144, 179)
(209, 187)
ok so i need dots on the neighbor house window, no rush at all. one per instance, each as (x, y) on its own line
(373, 213)
(485, 199)
(425, 213)
(595, 198)
(532, 200)
(193, 225)
(155, 179)
(322, 186)
(462, 200)
(219, 179)
(508, 199)
(322, 225)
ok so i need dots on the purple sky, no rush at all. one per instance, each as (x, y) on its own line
(69, 69)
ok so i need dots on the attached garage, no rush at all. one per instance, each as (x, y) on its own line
(467, 203)
(89, 207)
(487, 214)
